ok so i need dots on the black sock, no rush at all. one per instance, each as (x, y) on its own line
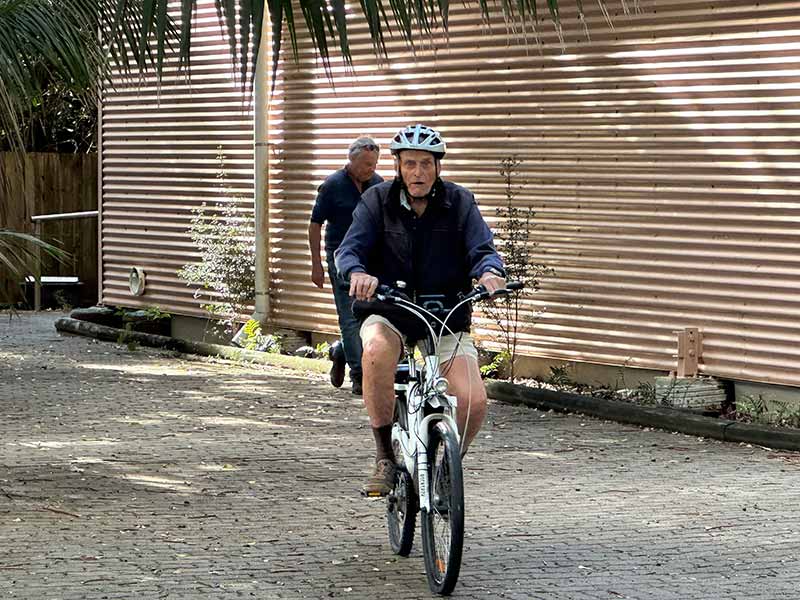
(383, 442)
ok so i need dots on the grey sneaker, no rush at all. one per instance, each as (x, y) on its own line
(381, 482)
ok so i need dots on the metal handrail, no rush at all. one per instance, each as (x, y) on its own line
(60, 216)
(38, 220)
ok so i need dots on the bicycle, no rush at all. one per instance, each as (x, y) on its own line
(428, 477)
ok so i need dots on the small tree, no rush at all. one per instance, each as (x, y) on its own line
(514, 235)
(225, 237)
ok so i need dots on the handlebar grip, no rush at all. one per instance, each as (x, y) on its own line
(389, 294)
(511, 286)
(479, 292)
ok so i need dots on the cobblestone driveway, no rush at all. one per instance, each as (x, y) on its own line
(136, 474)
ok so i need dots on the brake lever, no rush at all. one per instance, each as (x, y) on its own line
(386, 293)
(479, 292)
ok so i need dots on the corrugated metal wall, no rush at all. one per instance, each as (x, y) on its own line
(159, 159)
(660, 157)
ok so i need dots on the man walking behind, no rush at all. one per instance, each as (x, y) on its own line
(337, 197)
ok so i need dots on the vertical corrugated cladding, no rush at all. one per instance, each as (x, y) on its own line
(160, 159)
(660, 157)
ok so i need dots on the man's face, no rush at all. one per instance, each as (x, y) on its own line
(362, 167)
(418, 169)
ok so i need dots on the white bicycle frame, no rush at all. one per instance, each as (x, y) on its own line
(414, 441)
(422, 389)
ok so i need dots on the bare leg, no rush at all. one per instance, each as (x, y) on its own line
(379, 361)
(466, 384)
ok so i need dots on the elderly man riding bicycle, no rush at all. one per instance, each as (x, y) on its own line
(429, 234)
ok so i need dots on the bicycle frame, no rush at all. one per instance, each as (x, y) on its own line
(413, 441)
(424, 389)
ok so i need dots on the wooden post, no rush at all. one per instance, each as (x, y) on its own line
(37, 285)
(689, 351)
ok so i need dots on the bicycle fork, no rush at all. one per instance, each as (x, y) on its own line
(415, 441)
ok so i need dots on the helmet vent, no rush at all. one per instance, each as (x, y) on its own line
(418, 137)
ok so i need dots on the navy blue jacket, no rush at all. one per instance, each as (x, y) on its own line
(336, 199)
(440, 252)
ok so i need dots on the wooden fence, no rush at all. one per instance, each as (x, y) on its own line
(44, 183)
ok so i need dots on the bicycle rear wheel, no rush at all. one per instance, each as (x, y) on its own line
(443, 524)
(401, 513)
(402, 503)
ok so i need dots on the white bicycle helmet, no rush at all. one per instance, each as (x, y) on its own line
(418, 137)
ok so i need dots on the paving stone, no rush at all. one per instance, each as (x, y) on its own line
(140, 474)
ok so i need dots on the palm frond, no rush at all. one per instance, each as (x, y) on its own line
(19, 253)
(327, 25)
(44, 42)
(40, 38)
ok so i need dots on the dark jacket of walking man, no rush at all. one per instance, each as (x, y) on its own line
(337, 197)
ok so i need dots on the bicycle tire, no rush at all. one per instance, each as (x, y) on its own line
(443, 524)
(402, 506)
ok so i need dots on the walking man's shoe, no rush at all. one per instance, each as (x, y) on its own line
(381, 482)
(336, 354)
(357, 388)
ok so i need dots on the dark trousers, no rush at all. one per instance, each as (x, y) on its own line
(348, 324)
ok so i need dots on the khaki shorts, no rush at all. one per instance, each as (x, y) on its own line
(460, 344)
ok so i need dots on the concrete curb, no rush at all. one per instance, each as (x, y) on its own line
(670, 419)
(113, 334)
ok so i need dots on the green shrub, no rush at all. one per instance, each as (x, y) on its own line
(224, 235)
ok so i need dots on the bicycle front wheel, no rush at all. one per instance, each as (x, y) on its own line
(443, 524)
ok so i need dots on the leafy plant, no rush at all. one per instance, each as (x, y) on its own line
(19, 253)
(155, 313)
(59, 119)
(328, 24)
(776, 412)
(251, 338)
(752, 408)
(645, 393)
(225, 238)
(497, 367)
(52, 48)
(252, 329)
(560, 377)
(61, 300)
(514, 236)
(125, 338)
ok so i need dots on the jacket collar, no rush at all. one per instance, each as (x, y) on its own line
(437, 197)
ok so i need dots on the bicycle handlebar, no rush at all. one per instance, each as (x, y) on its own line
(390, 295)
(387, 293)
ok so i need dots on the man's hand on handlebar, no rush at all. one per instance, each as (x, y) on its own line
(492, 282)
(362, 286)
